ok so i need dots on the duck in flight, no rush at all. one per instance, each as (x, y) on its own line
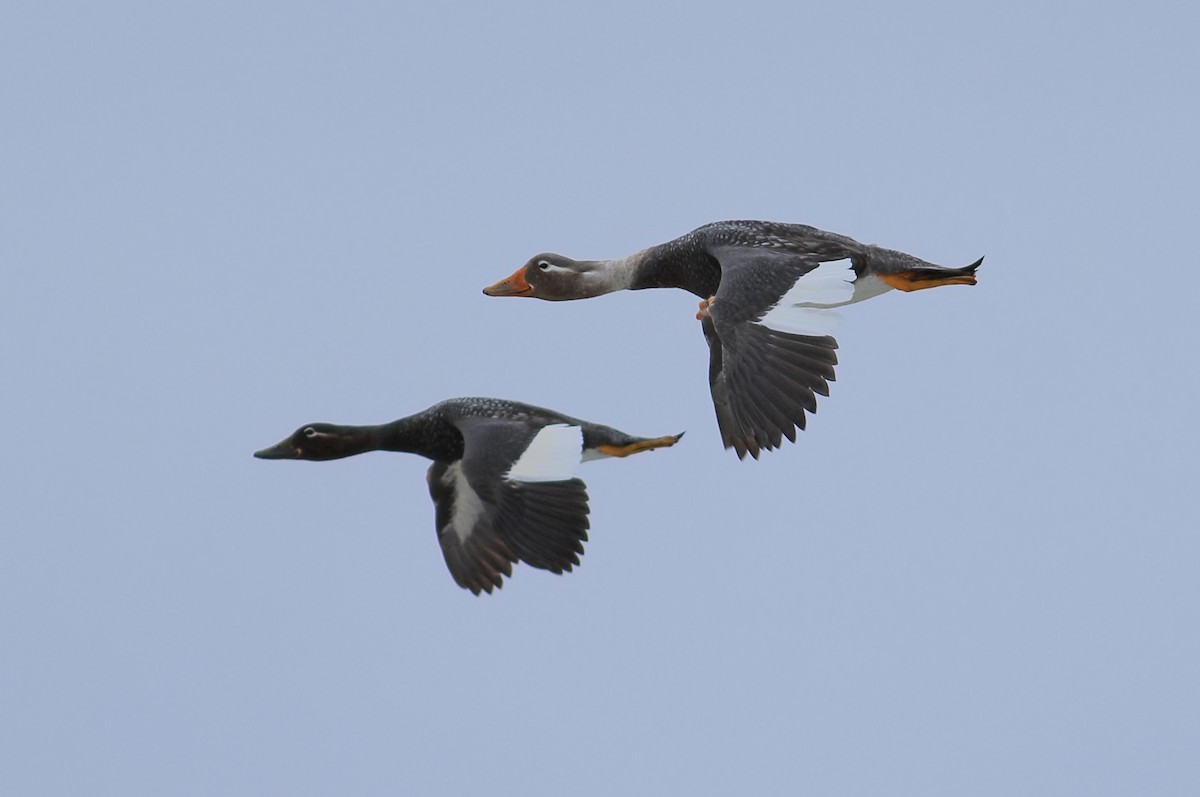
(502, 478)
(767, 292)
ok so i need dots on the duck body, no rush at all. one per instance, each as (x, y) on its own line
(501, 481)
(767, 293)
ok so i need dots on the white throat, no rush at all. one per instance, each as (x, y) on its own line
(607, 276)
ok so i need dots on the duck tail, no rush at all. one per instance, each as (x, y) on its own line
(637, 445)
(927, 275)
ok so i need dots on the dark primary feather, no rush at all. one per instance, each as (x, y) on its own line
(544, 523)
(763, 383)
(763, 380)
(485, 521)
(479, 561)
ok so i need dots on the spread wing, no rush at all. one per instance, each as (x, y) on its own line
(510, 498)
(770, 353)
(478, 557)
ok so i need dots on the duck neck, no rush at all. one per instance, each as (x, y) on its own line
(606, 276)
(417, 434)
(676, 265)
(354, 440)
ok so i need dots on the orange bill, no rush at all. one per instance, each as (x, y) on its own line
(516, 285)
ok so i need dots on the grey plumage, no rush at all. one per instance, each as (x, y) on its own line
(763, 380)
(488, 515)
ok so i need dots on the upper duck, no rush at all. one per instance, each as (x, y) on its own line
(767, 290)
(501, 479)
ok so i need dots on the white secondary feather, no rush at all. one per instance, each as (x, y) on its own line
(551, 456)
(797, 319)
(828, 285)
(807, 307)
(468, 508)
(867, 287)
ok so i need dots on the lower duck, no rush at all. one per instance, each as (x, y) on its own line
(502, 479)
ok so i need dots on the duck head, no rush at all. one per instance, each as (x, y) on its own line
(317, 442)
(556, 278)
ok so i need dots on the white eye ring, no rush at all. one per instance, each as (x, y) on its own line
(544, 265)
(310, 432)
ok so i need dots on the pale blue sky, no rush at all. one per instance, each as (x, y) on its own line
(976, 573)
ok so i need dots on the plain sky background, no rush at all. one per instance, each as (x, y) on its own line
(976, 573)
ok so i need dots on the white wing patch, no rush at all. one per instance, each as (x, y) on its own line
(592, 453)
(797, 319)
(807, 307)
(551, 456)
(869, 286)
(468, 508)
(828, 285)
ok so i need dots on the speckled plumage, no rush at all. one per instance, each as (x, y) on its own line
(489, 512)
(763, 378)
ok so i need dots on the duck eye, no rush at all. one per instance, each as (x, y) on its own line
(309, 431)
(544, 265)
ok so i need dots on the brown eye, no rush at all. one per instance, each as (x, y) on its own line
(543, 265)
(310, 432)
